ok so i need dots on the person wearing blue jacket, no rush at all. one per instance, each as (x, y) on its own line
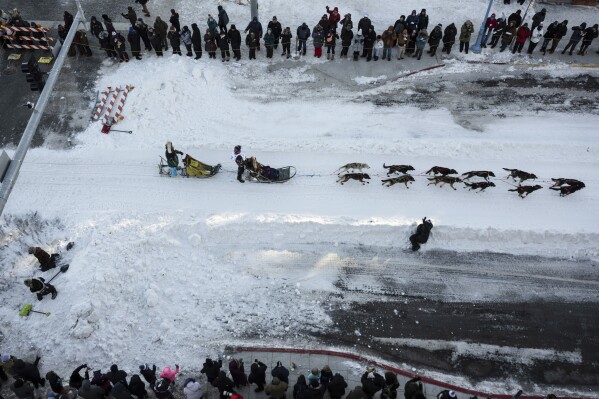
(256, 27)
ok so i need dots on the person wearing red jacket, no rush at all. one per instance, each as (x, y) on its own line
(521, 36)
(334, 17)
(489, 26)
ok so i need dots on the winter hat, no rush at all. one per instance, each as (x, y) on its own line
(370, 375)
(19, 383)
(314, 384)
(274, 18)
(129, 8)
(596, 26)
(279, 364)
(493, 14)
(5, 357)
(104, 16)
(233, 26)
(452, 394)
(439, 25)
(366, 14)
(172, 11)
(114, 368)
(220, 7)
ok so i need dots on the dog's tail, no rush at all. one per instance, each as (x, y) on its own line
(555, 188)
(467, 184)
(513, 189)
(429, 171)
(509, 170)
(385, 166)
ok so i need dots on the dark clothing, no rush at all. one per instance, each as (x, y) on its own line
(41, 288)
(413, 387)
(89, 391)
(95, 27)
(281, 373)
(120, 391)
(137, 387)
(235, 40)
(174, 20)
(537, 19)
(256, 27)
(391, 383)
(449, 36)
(28, 372)
(115, 375)
(149, 374)
(337, 386)
(357, 393)
(422, 21)
(369, 39)
(46, 260)
(372, 385)
(175, 39)
(135, 43)
(55, 382)
(224, 384)
(196, 40)
(22, 391)
(517, 18)
(238, 373)
(75, 381)
(131, 16)
(258, 374)
(300, 387)
(161, 30)
(211, 369)
(364, 24)
(326, 376)
(223, 20)
(276, 29)
(156, 43)
(422, 233)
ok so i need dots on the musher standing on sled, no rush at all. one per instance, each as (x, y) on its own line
(239, 159)
(171, 158)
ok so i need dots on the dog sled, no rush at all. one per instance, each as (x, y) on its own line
(265, 174)
(191, 168)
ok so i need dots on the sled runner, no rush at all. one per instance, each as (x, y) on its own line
(191, 168)
(265, 174)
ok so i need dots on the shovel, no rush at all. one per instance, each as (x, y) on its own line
(63, 269)
(107, 127)
(29, 309)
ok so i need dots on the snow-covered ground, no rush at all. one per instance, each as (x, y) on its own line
(168, 268)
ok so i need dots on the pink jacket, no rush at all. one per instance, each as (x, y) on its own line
(169, 374)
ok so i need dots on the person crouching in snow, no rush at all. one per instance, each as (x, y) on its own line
(169, 373)
(422, 232)
(171, 158)
(39, 287)
(46, 260)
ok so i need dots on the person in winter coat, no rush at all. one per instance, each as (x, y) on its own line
(120, 391)
(115, 375)
(144, 7)
(447, 394)
(148, 373)
(210, 367)
(378, 48)
(281, 372)
(135, 43)
(237, 371)
(252, 42)
(286, 41)
(364, 24)
(334, 17)
(538, 19)
(422, 233)
(421, 41)
(174, 20)
(277, 389)
(41, 288)
(171, 156)
(590, 34)
(269, 43)
(357, 46)
(300, 387)
(223, 44)
(516, 18)
(212, 26)
(413, 389)
(95, 27)
(508, 35)
(422, 20)
(412, 22)
(46, 260)
(402, 40)
(196, 40)
(108, 24)
(346, 38)
(490, 24)
(130, 15)
(161, 389)
(22, 389)
(577, 35)
(337, 386)
(161, 30)
(137, 387)
(318, 38)
(235, 40)
(28, 372)
(369, 41)
(372, 382)
(89, 391)
(535, 38)
(175, 39)
(521, 36)
(224, 383)
(391, 384)
(434, 39)
(55, 382)
(303, 34)
(449, 36)
(357, 393)
(347, 23)
(156, 41)
(142, 29)
(389, 38)
(186, 39)
(106, 45)
(560, 31)
(223, 20)
(192, 389)
(258, 375)
(118, 41)
(276, 29)
(314, 375)
(76, 380)
(465, 34)
(400, 25)
(101, 380)
(324, 24)
(169, 373)
(331, 43)
(326, 375)
(255, 27)
(314, 390)
(498, 32)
